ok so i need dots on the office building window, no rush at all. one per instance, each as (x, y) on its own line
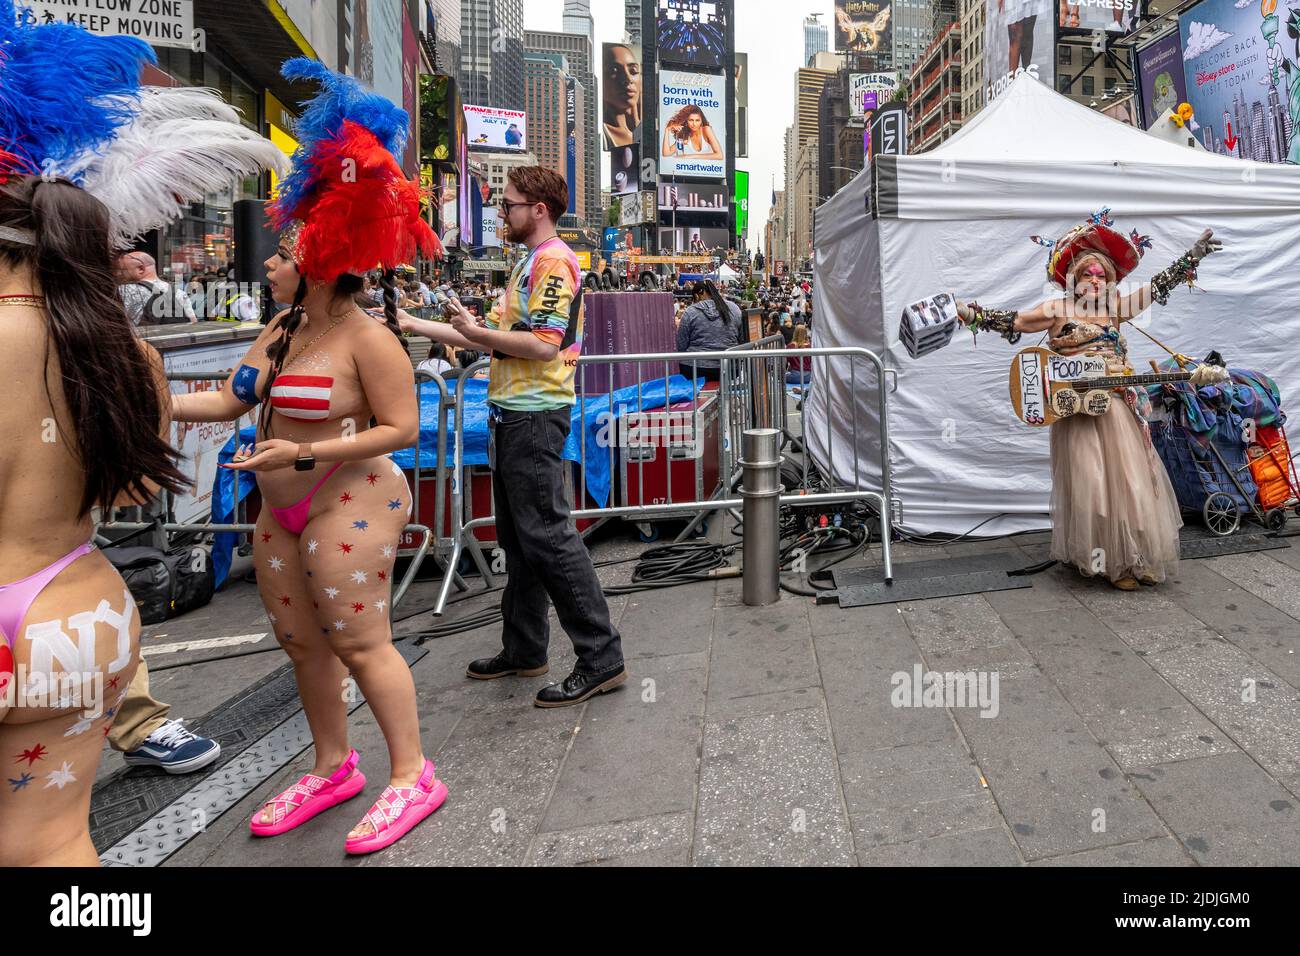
(1087, 86)
(1067, 53)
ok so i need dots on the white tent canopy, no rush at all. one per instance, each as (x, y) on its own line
(958, 219)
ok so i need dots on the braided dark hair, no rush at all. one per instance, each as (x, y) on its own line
(389, 282)
(278, 351)
(706, 287)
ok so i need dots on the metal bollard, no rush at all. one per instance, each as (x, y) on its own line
(761, 491)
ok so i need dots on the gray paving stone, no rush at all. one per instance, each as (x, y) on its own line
(1159, 851)
(884, 826)
(858, 687)
(1125, 611)
(498, 789)
(1211, 675)
(1225, 811)
(776, 702)
(863, 621)
(630, 840)
(760, 651)
(908, 774)
(987, 847)
(1264, 577)
(632, 756)
(952, 624)
(655, 627)
(1048, 773)
(1047, 593)
(1139, 737)
(768, 794)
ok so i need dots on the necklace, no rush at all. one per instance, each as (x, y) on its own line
(327, 331)
(22, 299)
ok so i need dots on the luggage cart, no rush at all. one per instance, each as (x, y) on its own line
(1212, 478)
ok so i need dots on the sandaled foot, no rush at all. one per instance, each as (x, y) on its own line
(396, 813)
(1126, 583)
(311, 795)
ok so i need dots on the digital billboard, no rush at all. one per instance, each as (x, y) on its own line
(884, 85)
(740, 196)
(492, 130)
(692, 32)
(1112, 16)
(742, 105)
(692, 197)
(624, 163)
(1161, 78)
(696, 240)
(1242, 67)
(863, 26)
(621, 94)
(693, 117)
(1019, 37)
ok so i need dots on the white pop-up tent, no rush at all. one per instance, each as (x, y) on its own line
(958, 219)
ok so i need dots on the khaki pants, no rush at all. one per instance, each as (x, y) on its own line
(139, 715)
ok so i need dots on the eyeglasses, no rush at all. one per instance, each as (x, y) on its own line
(507, 205)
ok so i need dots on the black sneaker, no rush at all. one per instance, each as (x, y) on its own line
(490, 668)
(577, 687)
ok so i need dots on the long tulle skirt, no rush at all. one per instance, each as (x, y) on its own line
(1114, 512)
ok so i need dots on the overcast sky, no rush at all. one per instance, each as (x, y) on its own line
(771, 32)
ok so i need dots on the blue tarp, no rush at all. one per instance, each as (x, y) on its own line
(474, 449)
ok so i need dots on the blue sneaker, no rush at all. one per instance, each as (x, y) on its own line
(174, 749)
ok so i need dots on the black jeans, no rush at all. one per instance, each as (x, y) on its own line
(545, 555)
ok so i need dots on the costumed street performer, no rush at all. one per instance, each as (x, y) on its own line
(1113, 508)
(89, 160)
(337, 396)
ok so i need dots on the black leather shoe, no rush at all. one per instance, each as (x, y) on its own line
(490, 668)
(577, 687)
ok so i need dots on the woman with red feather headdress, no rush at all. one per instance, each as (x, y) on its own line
(337, 396)
(1114, 512)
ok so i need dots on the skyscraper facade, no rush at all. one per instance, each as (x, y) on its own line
(492, 53)
(446, 25)
(579, 53)
(912, 33)
(577, 19)
(546, 80)
(816, 38)
(632, 20)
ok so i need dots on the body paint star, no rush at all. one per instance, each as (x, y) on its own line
(273, 619)
(60, 778)
(361, 525)
(277, 564)
(383, 575)
(394, 504)
(80, 727)
(22, 781)
(113, 682)
(285, 601)
(312, 545)
(359, 577)
(266, 536)
(372, 477)
(340, 626)
(358, 608)
(31, 756)
(345, 497)
(345, 547)
(331, 593)
(387, 550)
(380, 605)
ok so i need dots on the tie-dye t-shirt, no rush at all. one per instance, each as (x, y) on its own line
(539, 299)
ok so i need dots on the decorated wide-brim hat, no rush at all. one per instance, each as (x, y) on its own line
(1099, 237)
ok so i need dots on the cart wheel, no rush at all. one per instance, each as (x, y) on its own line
(701, 530)
(648, 532)
(1275, 519)
(1221, 515)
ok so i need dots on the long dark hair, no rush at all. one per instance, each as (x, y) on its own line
(707, 288)
(108, 382)
(347, 286)
(682, 115)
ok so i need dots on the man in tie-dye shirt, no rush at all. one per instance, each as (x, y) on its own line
(535, 335)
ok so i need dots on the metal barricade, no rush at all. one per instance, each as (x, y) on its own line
(243, 526)
(749, 399)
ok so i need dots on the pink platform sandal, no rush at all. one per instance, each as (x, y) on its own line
(309, 796)
(398, 810)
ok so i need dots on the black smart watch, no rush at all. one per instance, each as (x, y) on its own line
(305, 460)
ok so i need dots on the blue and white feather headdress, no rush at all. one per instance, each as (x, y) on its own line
(72, 106)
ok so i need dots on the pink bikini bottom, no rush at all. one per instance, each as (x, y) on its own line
(294, 518)
(16, 598)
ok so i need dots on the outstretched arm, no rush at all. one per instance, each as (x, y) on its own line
(1008, 323)
(1183, 269)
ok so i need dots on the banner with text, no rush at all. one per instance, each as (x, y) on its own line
(1027, 28)
(159, 22)
(1160, 74)
(863, 26)
(694, 121)
(491, 129)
